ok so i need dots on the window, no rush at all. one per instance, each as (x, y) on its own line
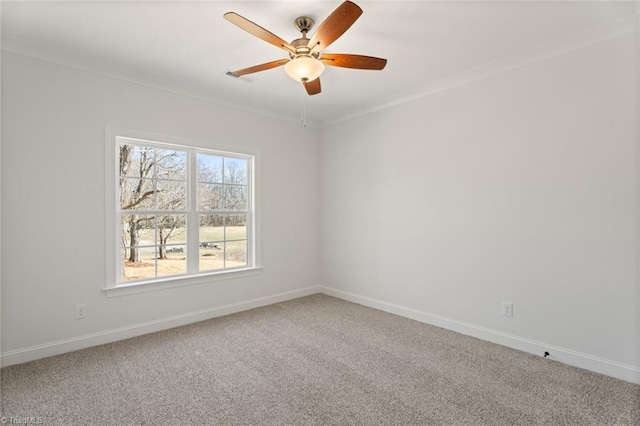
(179, 210)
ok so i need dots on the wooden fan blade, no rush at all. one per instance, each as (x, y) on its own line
(335, 25)
(360, 62)
(258, 31)
(313, 87)
(261, 67)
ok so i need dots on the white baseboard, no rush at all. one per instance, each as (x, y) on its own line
(567, 356)
(615, 369)
(81, 342)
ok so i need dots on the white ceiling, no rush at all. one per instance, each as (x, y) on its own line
(187, 46)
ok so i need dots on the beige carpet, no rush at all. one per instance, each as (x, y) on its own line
(315, 360)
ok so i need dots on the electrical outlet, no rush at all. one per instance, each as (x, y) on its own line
(81, 311)
(507, 309)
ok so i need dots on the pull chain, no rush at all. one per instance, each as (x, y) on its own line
(303, 114)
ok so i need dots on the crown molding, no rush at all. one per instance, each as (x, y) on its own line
(617, 28)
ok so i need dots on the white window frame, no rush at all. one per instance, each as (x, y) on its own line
(113, 285)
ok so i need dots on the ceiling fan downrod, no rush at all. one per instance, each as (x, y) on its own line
(303, 24)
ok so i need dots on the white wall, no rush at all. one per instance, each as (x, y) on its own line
(521, 187)
(53, 206)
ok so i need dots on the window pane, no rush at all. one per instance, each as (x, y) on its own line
(172, 195)
(211, 256)
(210, 196)
(235, 170)
(235, 198)
(211, 228)
(174, 262)
(235, 254)
(236, 227)
(137, 230)
(148, 254)
(209, 168)
(172, 257)
(171, 229)
(171, 164)
(136, 194)
(145, 226)
(135, 161)
(143, 268)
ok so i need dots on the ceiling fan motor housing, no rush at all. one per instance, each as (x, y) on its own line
(303, 24)
(302, 48)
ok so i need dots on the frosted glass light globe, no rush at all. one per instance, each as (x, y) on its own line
(304, 68)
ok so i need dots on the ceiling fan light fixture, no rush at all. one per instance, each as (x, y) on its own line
(305, 64)
(304, 68)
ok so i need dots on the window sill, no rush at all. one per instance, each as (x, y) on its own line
(182, 281)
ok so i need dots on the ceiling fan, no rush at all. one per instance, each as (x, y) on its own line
(305, 62)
